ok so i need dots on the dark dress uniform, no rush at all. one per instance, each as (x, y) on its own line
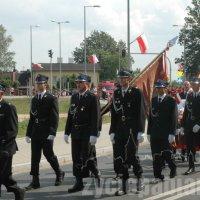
(162, 122)
(83, 122)
(8, 147)
(127, 119)
(191, 117)
(44, 117)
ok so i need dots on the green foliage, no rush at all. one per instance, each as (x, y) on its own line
(6, 57)
(107, 50)
(190, 38)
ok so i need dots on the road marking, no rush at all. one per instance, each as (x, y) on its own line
(178, 196)
(173, 191)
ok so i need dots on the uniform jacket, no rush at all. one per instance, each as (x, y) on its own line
(83, 116)
(191, 115)
(128, 111)
(8, 127)
(162, 117)
(44, 117)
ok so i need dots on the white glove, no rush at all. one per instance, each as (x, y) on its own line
(181, 131)
(51, 137)
(196, 128)
(140, 137)
(171, 138)
(112, 138)
(66, 138)
(93, 140)
(28, 139)
(148, 138)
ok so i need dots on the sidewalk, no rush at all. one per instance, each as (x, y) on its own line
(22, 158)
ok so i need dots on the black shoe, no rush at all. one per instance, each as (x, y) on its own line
(140, 184)
(18, 192)
(159, 179)
(59, 178)
(123, 190)
(190, 171)
(35, 184)
(78, 186)
(173, 173)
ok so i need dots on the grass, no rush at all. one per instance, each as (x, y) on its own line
(23, 104)
(23, 125)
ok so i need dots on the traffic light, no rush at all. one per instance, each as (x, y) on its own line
(50, 53)
(123, 53)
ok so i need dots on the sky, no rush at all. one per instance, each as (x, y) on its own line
(155, 18)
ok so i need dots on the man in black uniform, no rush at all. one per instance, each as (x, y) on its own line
(191, 123)
(8, 146)
(126, 130)
(161, 130)
(41, 131)
(82, 125)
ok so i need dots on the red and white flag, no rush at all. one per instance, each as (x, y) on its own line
(142, 42)
(37, 66)
(93, 59)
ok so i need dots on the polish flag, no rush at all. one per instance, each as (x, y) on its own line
(142, 42)
(93, 59)
(37, 66)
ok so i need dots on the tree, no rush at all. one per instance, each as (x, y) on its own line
(6, 57)
(108, 52)
(189, 37)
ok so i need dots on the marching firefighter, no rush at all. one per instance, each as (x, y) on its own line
(126, 130)
(41, 131)
(191, 123)
(8, 146)
(83, 126)
(161, 130)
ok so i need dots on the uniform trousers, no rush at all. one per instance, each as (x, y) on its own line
(84, 158)
(125, 151)
(37, 146)
(161, 152)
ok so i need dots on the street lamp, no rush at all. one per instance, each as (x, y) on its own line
(59, 26)
(31, 55)
(94, 6)
(184, 57)
(128, 33)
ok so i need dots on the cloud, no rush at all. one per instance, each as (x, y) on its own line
(154, 17)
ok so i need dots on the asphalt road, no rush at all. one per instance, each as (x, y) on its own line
(182, 187)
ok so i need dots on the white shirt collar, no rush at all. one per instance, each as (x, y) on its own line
(125, 89)
(162, 97)
(83, 93)
(42, 93)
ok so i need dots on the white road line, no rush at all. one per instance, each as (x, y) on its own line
(173, 191)
(178, 196)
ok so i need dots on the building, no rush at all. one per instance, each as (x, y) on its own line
(67, 70)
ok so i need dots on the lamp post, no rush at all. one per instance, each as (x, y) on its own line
(94, 6)
(128, 33)
(60, 49)
(31, 55)
(184, 56)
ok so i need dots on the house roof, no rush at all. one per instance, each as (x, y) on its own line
(68, 67)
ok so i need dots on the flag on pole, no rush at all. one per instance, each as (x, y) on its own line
(142, 42)
(37, 66)
(93, 59)
(172, 42)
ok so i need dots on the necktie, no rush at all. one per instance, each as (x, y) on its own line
(39, 96)
(159, 100)
(80, 97)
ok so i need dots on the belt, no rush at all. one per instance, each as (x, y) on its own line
(77, 126)
(37, 120)
(124, 118)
